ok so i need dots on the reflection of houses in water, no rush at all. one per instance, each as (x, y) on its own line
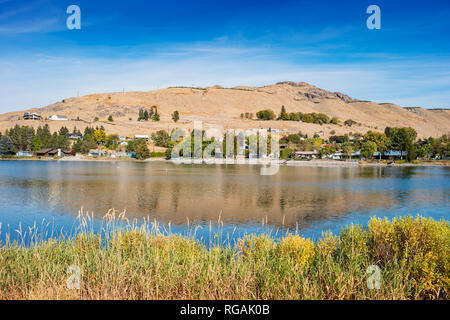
(171, 193)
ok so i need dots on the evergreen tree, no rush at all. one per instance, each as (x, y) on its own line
(283, 115)
(37, 144)
(6, 146)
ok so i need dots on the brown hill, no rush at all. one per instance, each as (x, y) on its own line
(217, 106)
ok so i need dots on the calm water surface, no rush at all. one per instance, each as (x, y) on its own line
(310, 199)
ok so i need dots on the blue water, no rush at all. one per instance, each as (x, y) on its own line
(194, 198)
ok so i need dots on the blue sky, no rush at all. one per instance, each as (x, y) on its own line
(145, 45)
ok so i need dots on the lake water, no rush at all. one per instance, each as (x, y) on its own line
(309, 199)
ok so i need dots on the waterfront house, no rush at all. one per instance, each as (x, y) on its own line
(337, 156)
(24, 154)
(49, 152)
(305, 154)
(391, 155)
(343, 156)
(69, 153)
(123, 155)
(97, 153)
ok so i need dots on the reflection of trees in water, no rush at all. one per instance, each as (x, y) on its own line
(176, 187)
(175, 193)
(265, 197)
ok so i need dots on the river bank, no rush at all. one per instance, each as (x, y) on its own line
(297, 163)
(406, 258)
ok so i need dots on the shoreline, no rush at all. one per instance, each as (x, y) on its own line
(292, 163)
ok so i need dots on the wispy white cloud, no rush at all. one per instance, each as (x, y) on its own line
(31, 26)
(42, 79)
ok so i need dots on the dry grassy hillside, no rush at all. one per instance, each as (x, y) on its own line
(217, 106)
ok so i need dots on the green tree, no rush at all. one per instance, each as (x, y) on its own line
(283, 114)
(176, 116)
(6, 146)
(380, 139)
(294, 116)
(308, 118)
(334, 120)
(327, 150)
(112, 141)
(45, 135)
(368, 148)
(63, 131)
(411, 151)
(100, 136)
(293, 138)
(401, 138)
(347, 149)
(141, 149)
(286, 153)
(161, 138)
(266, 115)
(85, 145)
(110, 118)
(37, 143)
(320, 118)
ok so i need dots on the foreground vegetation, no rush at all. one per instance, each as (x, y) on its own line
(135, 263)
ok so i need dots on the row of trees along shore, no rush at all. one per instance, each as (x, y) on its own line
(25, 138)
(393, 139)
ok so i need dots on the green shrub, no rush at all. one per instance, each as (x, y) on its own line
(421, 245)
(298, 250)
(266, 115)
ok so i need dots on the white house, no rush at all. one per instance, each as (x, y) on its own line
(58, 118)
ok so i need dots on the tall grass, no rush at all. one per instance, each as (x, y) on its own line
(144, 262)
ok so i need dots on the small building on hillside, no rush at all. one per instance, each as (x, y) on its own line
(75, 136)
(32, 116)
(141, 136)
(58, 118)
